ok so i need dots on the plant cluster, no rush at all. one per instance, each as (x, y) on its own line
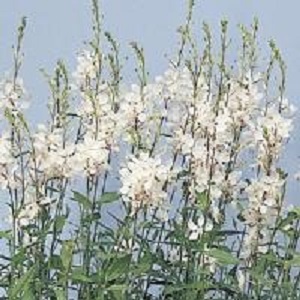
(166, 189)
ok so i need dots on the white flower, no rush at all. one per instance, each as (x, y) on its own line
(143, 179)
(286, 107)
(32, 206)
(13, 95)
(29, 240)
(51, 155)
(90, 156)
(264, 195)
(87, 67)
(8, 164)
(187, 143)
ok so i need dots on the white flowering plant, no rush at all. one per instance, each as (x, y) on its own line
(171, 188)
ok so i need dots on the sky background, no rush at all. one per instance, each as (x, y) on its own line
(57, 29)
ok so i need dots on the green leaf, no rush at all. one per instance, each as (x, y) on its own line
(5, 234)
(118, 267)
(117, 287)
(60, 294)
(67, 254)
(109, 197)
(294, 262)
(60, 222)
(270, 257)
(259, 276)
(223, 257)
(19, 257)
(143, 266)
(22, 284)
(55, 262)
(296, 210)
(78, 276)
(117, 290)
(82, 199)
(203, 200)
(28, 295)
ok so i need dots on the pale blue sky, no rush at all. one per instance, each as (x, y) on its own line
(57, 28)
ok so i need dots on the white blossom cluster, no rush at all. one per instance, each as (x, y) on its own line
(264, 202)
(143, 181)
(7, 162)
(87, 68)
(220, 139)
(13, 95)
(216, 136)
